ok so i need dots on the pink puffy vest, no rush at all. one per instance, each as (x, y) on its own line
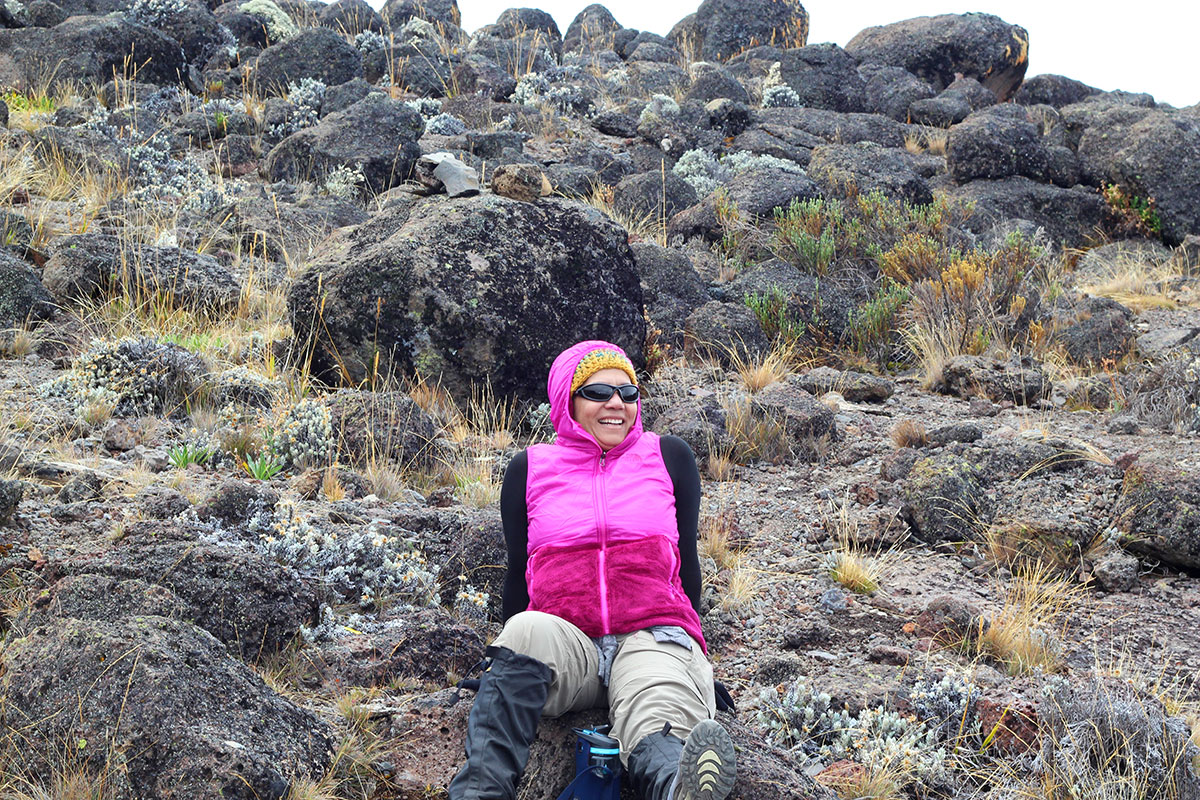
(603, 538)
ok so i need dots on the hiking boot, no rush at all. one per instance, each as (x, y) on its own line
(664, 767)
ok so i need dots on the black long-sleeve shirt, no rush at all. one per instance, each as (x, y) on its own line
(681, 466)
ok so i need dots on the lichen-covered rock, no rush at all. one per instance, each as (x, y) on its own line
(996, 143)
(723, 332)
(592, 29)
(1161, 517)
(834, 127)
(808, 422)
(657, 195)
(23, 298)
(522, 182)
(938, 49)
(389, 426)
(1095, 331)
(351, 17)
(1020, 381)
(317, 53)
(1069, 217)
(713, 82)
(236, 501)
(868, 167)
(442, 13)
(824, 76)
(671, 287)
(377, 137)
(1052, 90)
(755, 192)
(856, 387)
(720, 29)
(89, 266)
(187, 718)
(700, 422)
(10, 499)
(946, 499)
(467, 289)
(891, 90)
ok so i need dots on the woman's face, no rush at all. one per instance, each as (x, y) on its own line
(609, 422)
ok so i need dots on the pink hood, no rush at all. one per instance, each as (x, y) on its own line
(558, 387)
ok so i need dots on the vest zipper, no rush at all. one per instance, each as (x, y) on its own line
(601, 501)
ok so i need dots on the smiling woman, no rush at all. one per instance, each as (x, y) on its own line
(602, 595)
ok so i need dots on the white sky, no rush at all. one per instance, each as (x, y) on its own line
(1140, 47)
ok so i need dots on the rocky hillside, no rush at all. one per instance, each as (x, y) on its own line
(279, 286)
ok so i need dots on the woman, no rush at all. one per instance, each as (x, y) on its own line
(602, 595)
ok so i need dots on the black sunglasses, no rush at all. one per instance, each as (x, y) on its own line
(601, 392)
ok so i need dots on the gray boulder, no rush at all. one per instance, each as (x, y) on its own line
(869, 167)
(757, 193)
(720, 29)
(593, 28)
(479, 74)
(891, 90)
(938, 49)
(1161, 515)
(373, 426)
(248, 29)
(659, 195)
(1095, 331)
(945, 498)
(418, 65)
(467, 289)
(808, 422)
(91, 265)
(22, 297)
(1020, 381)
(193, 25)
(856, 387)
(187, 718)
(377, 135)
(997, 142)
(699, 421)
(824, 76)
(671, 287)
(816, 309)
(1069, 217)
(724, 333)
(1052, 90)
(351, 17)
(442, 13)
(318, 53)
(713, 82)
(834, 127)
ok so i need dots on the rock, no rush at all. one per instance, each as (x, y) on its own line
(311, 484)
(938, 49)
(387, 426)
(84, 487)
(1161, 515)
(615, 123)
(956, 432)
(196, 29)
(952, 619)
(657, 195)
(1116, 571)
(419, 65)
(479, 74)
(318, 53)
(469, 289)
(1096, 331)
(671, 288)
(377, 134)
(351, 17)
(713, 82)
(1020, 381)
(1157, 156)
(831, 127)
(948, 108)
(593, 28)
(996, 143)
(236, 501)
(757, 193)
(523, 182)
(724, 333)
(856, 387)
(90, 266)
(824, 76)
(10, 499)
(1013, 718)
(23, 299)
(815, 308)
(869, 167)
(282, 223)
(102, 599)
(447, 173)
(244, 599)
(699, 421)
(161, 502)
(249, 30)
(891, 90)
(442, 13)
(1069, 217)
(808, 422)
(945, 499)
(720, 29)
(188, 718)
(1052, 90)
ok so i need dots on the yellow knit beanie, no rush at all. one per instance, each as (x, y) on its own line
(602, 358)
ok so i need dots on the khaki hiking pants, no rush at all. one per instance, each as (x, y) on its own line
(651, 682)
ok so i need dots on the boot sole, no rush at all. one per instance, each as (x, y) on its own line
(707, 766)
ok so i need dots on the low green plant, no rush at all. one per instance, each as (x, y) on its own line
(184, 455)
(777, 318)
(1136, 212)
(873, 325)
(263, 467)
(22, 101)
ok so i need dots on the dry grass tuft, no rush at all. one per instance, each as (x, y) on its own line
(1133, 282)
(742, 589)
(909, 433)
(1026, 634)
(755, 436)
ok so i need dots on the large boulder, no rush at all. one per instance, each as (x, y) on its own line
(720, 29)
(377, 135)
(351, 17)
(835, 127)
(946, 499)
(192, 24)
(891, 90)
(1095, 331)
(1052, 90)
(22, 297)
(1019, 380)
(671, 287)
(186, 719)
(282, 223)
(755, 192)
(468, 289)
(824, 76)
(996, 142)
(939, 49)
(1069, 217)
(92, 265)
(1161, 518)
(1150, 156)
(443, 14)
(371, 427)
(593, 28)
(868, 167)
(659, 195)
(318, 53)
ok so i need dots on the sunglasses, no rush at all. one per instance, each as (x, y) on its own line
(601, 392)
